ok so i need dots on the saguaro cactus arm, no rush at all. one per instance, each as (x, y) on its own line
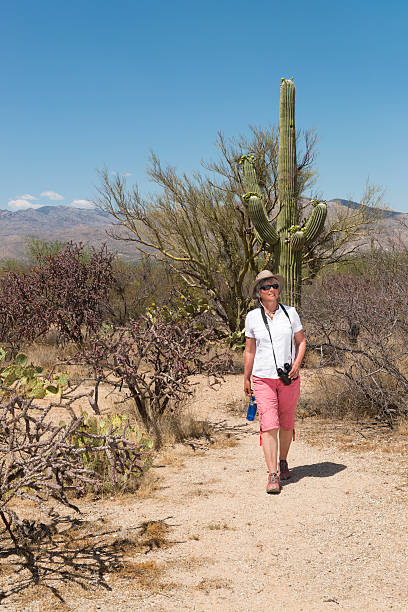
(297, 240)
(253, 199)
(316, 221)
(248, 170)
(258, 216)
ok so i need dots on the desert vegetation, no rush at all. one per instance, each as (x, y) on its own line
(217, 229)
(59, 443)
(116, 349)
(65, 290)
(357, 325)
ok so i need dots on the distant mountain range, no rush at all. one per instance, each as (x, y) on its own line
(350, 204)
(61, 223)
(90, 226)
(389, 231)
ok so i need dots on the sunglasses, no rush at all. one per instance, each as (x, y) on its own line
(267, 287)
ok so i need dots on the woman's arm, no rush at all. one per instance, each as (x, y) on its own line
(300, 343)
(249, 356)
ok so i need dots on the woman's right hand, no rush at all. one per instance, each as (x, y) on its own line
(247, 387)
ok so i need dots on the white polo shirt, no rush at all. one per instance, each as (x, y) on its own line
(281, 332)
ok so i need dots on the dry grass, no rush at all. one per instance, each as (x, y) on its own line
(402, 427)
(39, 593)
(224, 440)
(45, 351)
(220, 527)
(145, 575)
(6, 569)
(329, 397)
(150, 535)
(82, 529)
(155, 534)
(354, 436)
(143, 571)
(193, 562)
(182, 425)
(170, 457)
(237, 358)
(207, 482)
(112, 402)
(42, 354)
(91, 548)
(148, 485)
(312, 359)
(238, 406)
(198, 493)
(211, 584)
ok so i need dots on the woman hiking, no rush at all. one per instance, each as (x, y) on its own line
(274, 350)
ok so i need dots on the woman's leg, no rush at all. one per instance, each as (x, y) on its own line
(267, 401)
(270, 449)
(288, 397)
(285, 439)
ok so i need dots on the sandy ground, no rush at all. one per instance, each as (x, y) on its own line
(335, 538)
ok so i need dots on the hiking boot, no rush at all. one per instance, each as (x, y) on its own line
(273, 485)
(284, 472)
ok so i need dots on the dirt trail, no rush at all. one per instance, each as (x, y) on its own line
(335, 538)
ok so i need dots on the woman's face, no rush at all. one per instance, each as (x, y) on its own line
(270, 293)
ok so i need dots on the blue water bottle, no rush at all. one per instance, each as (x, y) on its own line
(252, 408)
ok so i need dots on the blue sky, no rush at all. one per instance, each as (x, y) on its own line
(94, 83)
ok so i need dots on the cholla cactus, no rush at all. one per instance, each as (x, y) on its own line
(287, 239)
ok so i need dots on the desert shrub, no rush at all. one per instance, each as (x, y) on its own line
(29, 380)
(359, 325)
(137, 285)
(147, 285)
(154, 358)
(132, 464)
(37, 250)
(42, 461)
(12, 265)
(67, 290)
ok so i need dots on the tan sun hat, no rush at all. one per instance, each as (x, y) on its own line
(267, 274)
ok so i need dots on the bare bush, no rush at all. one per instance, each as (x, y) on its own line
(154, 359)
(359, 324)
(41, 461)
(67, 289)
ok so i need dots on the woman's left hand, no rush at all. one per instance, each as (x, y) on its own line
(294, 373)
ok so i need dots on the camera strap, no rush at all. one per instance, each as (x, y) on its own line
(265, 320)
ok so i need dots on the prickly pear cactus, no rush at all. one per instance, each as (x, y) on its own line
(287, 239)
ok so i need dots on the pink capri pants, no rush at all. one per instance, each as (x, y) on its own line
(276, 402)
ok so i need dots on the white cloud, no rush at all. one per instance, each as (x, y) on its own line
(26, 196)
(52, 195)
(22, 204)
(126, 174)
(82, 204)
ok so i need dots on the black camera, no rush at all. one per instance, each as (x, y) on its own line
(284, 374)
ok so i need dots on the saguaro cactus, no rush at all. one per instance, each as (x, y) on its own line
(287, 238)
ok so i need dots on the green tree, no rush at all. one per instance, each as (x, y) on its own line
(12, 265)
(199, 225)
(37, 249)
